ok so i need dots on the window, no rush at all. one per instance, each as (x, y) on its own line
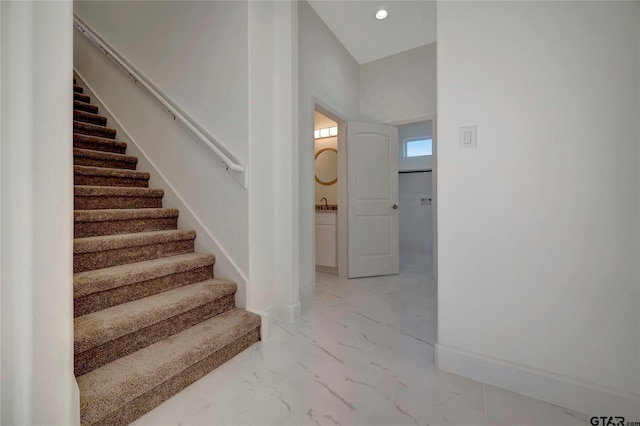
(417, 147)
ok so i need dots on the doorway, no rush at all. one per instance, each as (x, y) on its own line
(326, 193)
(416, 182)
(356, 190)
(368, 245)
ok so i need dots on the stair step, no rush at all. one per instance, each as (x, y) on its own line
(102, 176)
(91, 223)
(123, 390)
(111, 250)
(93, 158)
(93, 130)
(80, 97)
(97, 143)
(149, 317)
(107, 197)
(81, 106)
(106, 287)
(112, 333)
(88, 117)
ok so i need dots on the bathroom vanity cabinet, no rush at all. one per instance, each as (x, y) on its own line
(326, 239)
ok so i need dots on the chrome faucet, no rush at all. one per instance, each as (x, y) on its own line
(326, 203)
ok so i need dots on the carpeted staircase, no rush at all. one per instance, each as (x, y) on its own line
(150, 319)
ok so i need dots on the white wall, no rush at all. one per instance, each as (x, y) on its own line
(36, 199)
(416, 219)
(178, 47)
(196, 52)
(328, 75)
(539, 287)
(400, 87)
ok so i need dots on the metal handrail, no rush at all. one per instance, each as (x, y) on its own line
(175, 112)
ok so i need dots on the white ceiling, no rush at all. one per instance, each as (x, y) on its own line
(410, 24)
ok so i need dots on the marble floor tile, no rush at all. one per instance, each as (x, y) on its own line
(509, 408)
(176, 410)
(362, 353)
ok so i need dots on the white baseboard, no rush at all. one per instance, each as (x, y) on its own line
(556, 389)
(265, 322)
(306, 295)
(286, 313)
(290, 313)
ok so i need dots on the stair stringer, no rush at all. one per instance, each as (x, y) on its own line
(225, 266)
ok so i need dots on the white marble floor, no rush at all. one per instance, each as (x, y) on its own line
(361, 354)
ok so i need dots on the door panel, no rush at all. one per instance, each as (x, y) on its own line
(372, 156)
(375, 236)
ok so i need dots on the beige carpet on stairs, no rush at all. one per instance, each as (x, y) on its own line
(150, 318)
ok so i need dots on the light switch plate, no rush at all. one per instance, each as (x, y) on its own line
(468, 137)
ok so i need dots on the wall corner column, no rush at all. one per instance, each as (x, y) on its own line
(273, 154)
(38, 384)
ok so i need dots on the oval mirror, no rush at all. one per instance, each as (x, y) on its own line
(327, 166)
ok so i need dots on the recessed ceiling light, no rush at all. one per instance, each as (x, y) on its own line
(382, 14)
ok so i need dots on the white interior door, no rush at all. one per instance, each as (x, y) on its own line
(372, 186)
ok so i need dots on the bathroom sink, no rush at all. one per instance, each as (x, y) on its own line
(330, 207)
